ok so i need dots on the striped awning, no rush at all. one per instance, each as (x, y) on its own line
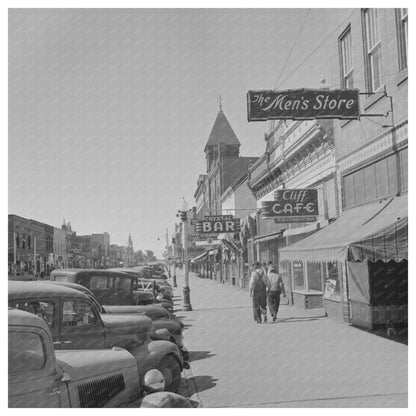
(202, 258)
(376, 231)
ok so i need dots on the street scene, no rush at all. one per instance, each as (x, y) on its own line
(208, 208)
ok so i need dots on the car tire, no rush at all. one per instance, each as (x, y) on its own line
(171, 370)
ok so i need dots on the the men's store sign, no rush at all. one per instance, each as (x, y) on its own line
(302, 104)
(292, 205)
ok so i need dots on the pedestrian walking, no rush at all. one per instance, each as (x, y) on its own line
(259, 286)
(277, 287)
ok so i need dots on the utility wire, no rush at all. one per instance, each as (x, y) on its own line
(292, 48)
(315, 49)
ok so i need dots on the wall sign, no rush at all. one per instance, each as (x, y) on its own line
(292, 205)
(302, 104)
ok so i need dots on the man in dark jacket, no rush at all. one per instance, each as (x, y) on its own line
(259, 286)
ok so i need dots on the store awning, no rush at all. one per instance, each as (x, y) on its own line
(374, 232)
(268, 237)
(202, 258)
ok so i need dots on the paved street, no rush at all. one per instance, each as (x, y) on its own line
(302, 360)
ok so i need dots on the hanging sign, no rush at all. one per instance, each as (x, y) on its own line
(218, 224)
(292, 205)
(302, 104)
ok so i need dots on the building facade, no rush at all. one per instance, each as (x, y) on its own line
(362, 256)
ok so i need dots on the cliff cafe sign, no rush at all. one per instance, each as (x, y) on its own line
(292, 205)
(302, 104)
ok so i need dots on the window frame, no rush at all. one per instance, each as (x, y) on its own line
(43, 344)
(69, 328)
(402, 38)
(371, 50)
(345, 76)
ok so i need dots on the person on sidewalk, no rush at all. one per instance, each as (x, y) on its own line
(276, 288)
(259, 286)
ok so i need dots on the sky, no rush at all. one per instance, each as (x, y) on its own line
(110, 109)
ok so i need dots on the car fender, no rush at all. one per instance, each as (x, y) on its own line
(149, 355)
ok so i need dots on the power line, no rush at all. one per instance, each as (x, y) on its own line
(316, 48)
(292, 48)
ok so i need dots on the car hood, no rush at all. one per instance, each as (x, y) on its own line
(127, 324)
(152, 311)
(82, 364)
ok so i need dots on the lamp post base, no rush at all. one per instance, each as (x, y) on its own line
(186, 299)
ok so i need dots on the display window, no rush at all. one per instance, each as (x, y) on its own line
(332, 280)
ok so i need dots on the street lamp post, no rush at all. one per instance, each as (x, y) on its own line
(186, 290)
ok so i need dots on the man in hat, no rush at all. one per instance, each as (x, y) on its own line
(276, 288)
(259, 286)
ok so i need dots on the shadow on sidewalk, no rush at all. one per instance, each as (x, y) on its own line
(197, 384)
(297, 319)
(200, 355)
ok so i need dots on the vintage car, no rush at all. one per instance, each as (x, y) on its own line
(41, 377)
(143, 275)
(75, 323)
(161, 318)
(110, 287)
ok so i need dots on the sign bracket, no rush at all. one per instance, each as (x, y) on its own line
(389, 112)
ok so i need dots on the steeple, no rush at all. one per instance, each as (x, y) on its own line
(222, 132)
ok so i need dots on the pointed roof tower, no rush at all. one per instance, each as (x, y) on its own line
(130, 242)
(222, 132)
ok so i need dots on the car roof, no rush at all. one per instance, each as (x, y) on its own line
(96, 272)
(71, 285)
(19, 290)
(18, 317)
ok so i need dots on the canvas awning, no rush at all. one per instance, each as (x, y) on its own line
(376, 231)
(202, 258)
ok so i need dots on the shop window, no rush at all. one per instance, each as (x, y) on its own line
(345, 50)
(332, 279)
(402, 23)
(403, 168)
(369, 183)
(298, 276)
(373, 182)
(359, 187)
(372, 46)
(314, 276)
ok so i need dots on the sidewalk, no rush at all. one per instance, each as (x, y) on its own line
(302, 360)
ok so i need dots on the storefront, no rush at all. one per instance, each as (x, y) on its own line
(356, 267)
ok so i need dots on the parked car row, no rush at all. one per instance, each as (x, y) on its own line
(70, 315)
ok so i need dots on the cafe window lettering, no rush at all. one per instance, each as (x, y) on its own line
(332, 280)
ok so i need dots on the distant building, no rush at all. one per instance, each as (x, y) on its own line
(129, 260)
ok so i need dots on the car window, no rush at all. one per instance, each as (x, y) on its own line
(78, 313)
(45, 309)
(99, 283)
(26, 352)
(121, 284)
(61, 278)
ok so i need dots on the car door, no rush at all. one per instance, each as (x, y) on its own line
(102, 287)
(80, 325)
(123, 290)
(33, 378)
